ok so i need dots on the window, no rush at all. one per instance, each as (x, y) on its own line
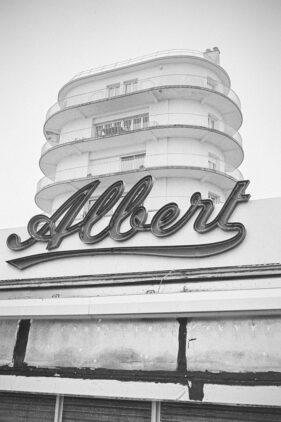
(132, 162)
(213, 162)
(131, 86)
(212, 83)
(145, 120)
(107, 129)
(113, 90)
(212, 165)
(137, 123)
(141, 121)
(127, 124)
(212, 120)
(99, 130)
(116, 127)
(214, 197)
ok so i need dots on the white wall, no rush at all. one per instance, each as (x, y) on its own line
(71, 167)
(76, 129)
(182, 111)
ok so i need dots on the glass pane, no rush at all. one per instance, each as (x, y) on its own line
(128, 88)
(127, 124)
(99, 130)
(145, 120)
(117, 127)
(113, 90)
(212, 165)
(137, 123)
(108, 129)
(132, 162)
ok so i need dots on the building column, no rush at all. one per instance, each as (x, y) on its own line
(155, 411)
(58, 408)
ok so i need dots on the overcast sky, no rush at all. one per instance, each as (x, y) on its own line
(46, 42)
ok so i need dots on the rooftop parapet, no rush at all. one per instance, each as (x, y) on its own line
(210, 55)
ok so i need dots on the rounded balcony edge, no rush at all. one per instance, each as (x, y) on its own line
(164, 127)
(76, 79)
(160, 87)
(87, 179)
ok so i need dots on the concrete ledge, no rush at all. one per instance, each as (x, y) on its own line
(199, 304)
(221, 394)
(190, 275)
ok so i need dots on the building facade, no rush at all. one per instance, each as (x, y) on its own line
(151, 303)
(171, 114)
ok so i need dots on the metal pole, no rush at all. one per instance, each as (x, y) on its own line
(155, 411)
(58, 408)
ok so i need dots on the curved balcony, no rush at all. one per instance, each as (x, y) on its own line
(186, 125)
(207, 58)
(195, 166)
(143, 59)
(146, 91)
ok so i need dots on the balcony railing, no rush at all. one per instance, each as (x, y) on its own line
(140, 162)
(141, 59)
(163, 119)
(181, 80)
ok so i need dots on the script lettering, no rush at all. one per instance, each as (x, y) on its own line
(52, 230)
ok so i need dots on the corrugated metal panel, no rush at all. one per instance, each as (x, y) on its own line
(20, 407)
(182, 412)
(78, 409)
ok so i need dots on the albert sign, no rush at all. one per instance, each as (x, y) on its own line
(165, 222)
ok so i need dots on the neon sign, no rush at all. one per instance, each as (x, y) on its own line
(53, 230)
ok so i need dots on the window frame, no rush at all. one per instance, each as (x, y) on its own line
(133, 158)
(116, 90)
(212, 120)
(213, 162)
(130, 83)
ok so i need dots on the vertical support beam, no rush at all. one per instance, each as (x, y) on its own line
(182, 364)
(21, 343)
(58, 408)
(155, 411)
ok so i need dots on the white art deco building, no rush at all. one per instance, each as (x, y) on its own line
(171, 114)
(168, 316)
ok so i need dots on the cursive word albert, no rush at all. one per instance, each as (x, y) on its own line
(165, 222)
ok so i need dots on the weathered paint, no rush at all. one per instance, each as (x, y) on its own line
(138, 345)
(262, 395)
(235, 345)
(8, 331)
(173, 281)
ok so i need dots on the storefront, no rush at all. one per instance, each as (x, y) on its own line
(141, 299)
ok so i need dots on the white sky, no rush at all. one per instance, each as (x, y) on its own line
(45, 42)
